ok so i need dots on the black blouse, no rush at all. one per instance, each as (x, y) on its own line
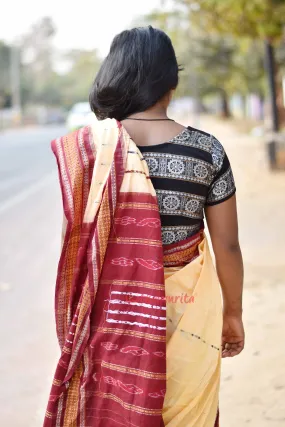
(188, 173)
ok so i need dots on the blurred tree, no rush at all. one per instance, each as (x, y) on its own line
(50, 91)
(255, 19)
(76, 84)
(40, 83)
(37, 58)
(5, 87)
(280, 55)
(214, 63)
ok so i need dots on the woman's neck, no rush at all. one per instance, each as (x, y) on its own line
(155, 112)
(151, 128)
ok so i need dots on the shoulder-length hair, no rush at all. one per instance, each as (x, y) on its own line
(139, 70)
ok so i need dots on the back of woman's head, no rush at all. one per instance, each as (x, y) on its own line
(139, 70)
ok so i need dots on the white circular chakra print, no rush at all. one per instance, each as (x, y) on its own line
(176, 166)
(152, 165)
(181, 235)
(216, 159)
(171, 202)
(217, 146)
(192, 206)
(200, 171)
(205, 141)
(168, 237)
(220, 188)
(218, 153)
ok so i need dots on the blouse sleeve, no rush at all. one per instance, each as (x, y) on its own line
(223, 186)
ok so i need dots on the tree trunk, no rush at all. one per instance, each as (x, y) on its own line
(262, 103)
(225, 104)
(271, 73)
(244, 109)
(280, 101)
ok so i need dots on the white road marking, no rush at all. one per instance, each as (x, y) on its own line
(23, 195)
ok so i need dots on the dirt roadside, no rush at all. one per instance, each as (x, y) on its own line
(253, 384)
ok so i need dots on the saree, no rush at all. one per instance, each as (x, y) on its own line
(134, 350)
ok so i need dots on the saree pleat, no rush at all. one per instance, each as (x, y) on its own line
(119, 321)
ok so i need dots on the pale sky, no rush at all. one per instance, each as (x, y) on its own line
(88, 24)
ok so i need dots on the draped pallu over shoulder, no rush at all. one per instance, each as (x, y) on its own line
(116, 328)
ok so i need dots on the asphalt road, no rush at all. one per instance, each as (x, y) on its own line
(30, 226)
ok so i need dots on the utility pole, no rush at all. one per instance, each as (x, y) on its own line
(15, 80)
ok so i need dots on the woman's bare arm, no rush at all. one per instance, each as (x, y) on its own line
(223, 227)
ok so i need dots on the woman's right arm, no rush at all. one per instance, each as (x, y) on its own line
(223, 227)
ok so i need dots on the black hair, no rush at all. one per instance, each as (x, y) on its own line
(139, 70)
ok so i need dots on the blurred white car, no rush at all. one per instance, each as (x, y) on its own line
(80, 115)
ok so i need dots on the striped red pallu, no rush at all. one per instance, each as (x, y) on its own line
(110, 293)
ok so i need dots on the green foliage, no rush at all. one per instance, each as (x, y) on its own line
(38, 79)
(40, 82)
(77, 82)
(256, 19)
(280, 56)
(213, 63)
(250, 22)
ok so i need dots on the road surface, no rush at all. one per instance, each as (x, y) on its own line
(30, 222)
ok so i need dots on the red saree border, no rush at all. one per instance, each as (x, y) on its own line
(181, 253)
(131, 363)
